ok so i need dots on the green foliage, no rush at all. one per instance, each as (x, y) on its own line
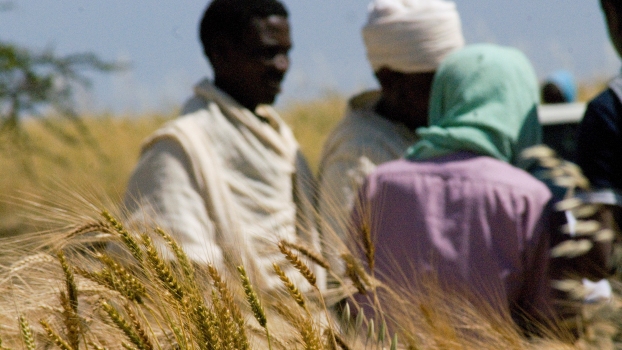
(40, 84)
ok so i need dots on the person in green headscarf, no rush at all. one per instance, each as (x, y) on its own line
(456, 206)
(484, 101)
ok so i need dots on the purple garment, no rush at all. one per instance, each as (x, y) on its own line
(477, 223)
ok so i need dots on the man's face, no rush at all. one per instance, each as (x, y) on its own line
(406, 96)
(256, 66)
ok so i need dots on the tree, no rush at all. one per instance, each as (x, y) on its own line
(35, 85)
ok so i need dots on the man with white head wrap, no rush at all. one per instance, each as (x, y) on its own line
(411, 36)
(405, 41)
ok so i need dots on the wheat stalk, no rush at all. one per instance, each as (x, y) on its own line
(126, 237)
(356, 273)
(140, 329)
(207, 325)
(29, 261)
(309, 253)
(182, 340)
(368, 244)
(310, 337)
(71, 321)
(279, 343)
(90, 227)
(252, 298)
(60, 342)
(370, 331)
(227, 326)
(304, 270)
(253, 301)
(227, 298)
(123, 325)
(181, 256)
(26, 332)
(110, 281)
(161, 269)
(3, 348)
(291, 287)
(394, 342)
(382, 333)
(70, 283)
(96, 347)
(69, 303)
(132, 287)
(127, 346)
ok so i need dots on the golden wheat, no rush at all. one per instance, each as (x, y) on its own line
(309, 253)
(298, 264)
(55, 337)
(291, 287)
(176, 310)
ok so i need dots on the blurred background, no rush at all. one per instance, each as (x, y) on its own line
(91, 144)
(159, 40)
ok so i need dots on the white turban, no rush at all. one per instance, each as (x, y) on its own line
(411, 36)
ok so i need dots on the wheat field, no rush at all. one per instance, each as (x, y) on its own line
(59, 289)
(118, 138)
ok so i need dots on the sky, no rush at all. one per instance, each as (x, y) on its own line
(159, 40)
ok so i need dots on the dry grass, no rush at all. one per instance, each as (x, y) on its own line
(119, 138)
(73, 166)
(86, 298)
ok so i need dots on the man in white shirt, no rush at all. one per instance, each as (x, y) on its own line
(226, 178)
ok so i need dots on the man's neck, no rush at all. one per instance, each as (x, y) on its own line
(250, 107)
(386, 112)
(231, 91)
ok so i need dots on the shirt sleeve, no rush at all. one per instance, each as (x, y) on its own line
(598, 143)
(162, 191)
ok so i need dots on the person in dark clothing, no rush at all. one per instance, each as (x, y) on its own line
(599, 155)
(599, 142)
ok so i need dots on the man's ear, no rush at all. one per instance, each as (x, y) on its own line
(219, 51)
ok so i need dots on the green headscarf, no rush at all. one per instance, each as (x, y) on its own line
(483, 100)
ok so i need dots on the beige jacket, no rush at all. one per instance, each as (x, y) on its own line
(227, 185)
(361, 141)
